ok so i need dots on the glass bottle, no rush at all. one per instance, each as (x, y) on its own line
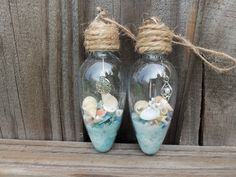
(102, 97)
(152, 95)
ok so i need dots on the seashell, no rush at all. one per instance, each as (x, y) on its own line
(150, 113)
(89, 105)
(110, 103)
(91, 111)
(101, 112)
(140, 106)
(89, 101)
(162, 119)
(119, 112)
(162, 103)
(158, 99)
(164, 111)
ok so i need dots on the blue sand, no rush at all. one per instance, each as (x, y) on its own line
(150, 137)
(103, 134)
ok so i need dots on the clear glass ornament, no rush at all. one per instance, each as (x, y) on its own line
(102, 97)
(152, 95)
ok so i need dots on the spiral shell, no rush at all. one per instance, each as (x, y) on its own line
(140, 106)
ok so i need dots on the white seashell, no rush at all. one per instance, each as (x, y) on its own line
(88, 102)
(119, 112)
(150, 113)
(140, 106)
(91, 111)
(110, 103)
(89, 105)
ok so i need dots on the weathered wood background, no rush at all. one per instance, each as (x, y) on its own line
(41, 49)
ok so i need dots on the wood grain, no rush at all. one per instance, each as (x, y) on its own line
(218, 32)
(43, 158)
(40, 59)
(188, 125)
(24, 49)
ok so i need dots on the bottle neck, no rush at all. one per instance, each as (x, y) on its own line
(154, 56)
(103, 54)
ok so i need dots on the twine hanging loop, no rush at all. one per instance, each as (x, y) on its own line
(155, 36)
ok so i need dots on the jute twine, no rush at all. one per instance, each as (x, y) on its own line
(103, 33)
(155, 36)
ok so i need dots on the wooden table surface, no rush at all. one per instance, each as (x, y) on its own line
(46, 158)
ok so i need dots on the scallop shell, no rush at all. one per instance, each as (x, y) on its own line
(158, 99)
(89, 105)
(150, 113)
(140, 106)
(162, 103)
(110, 103)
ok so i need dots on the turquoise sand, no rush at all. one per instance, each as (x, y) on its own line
(150, 137)
(103, 134)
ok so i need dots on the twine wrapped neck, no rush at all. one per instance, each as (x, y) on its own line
(101, 35)
(155, 36)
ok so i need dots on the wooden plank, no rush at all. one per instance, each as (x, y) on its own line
(78, 11)
(219, 89)
(44, 158)
(11, 114)
(53, 52)
(64, 34)
(40, 59)
(188, 126)
(23, 46)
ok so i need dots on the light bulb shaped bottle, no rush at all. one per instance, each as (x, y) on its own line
(102, 93)
(102, 85)
(152, 96)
